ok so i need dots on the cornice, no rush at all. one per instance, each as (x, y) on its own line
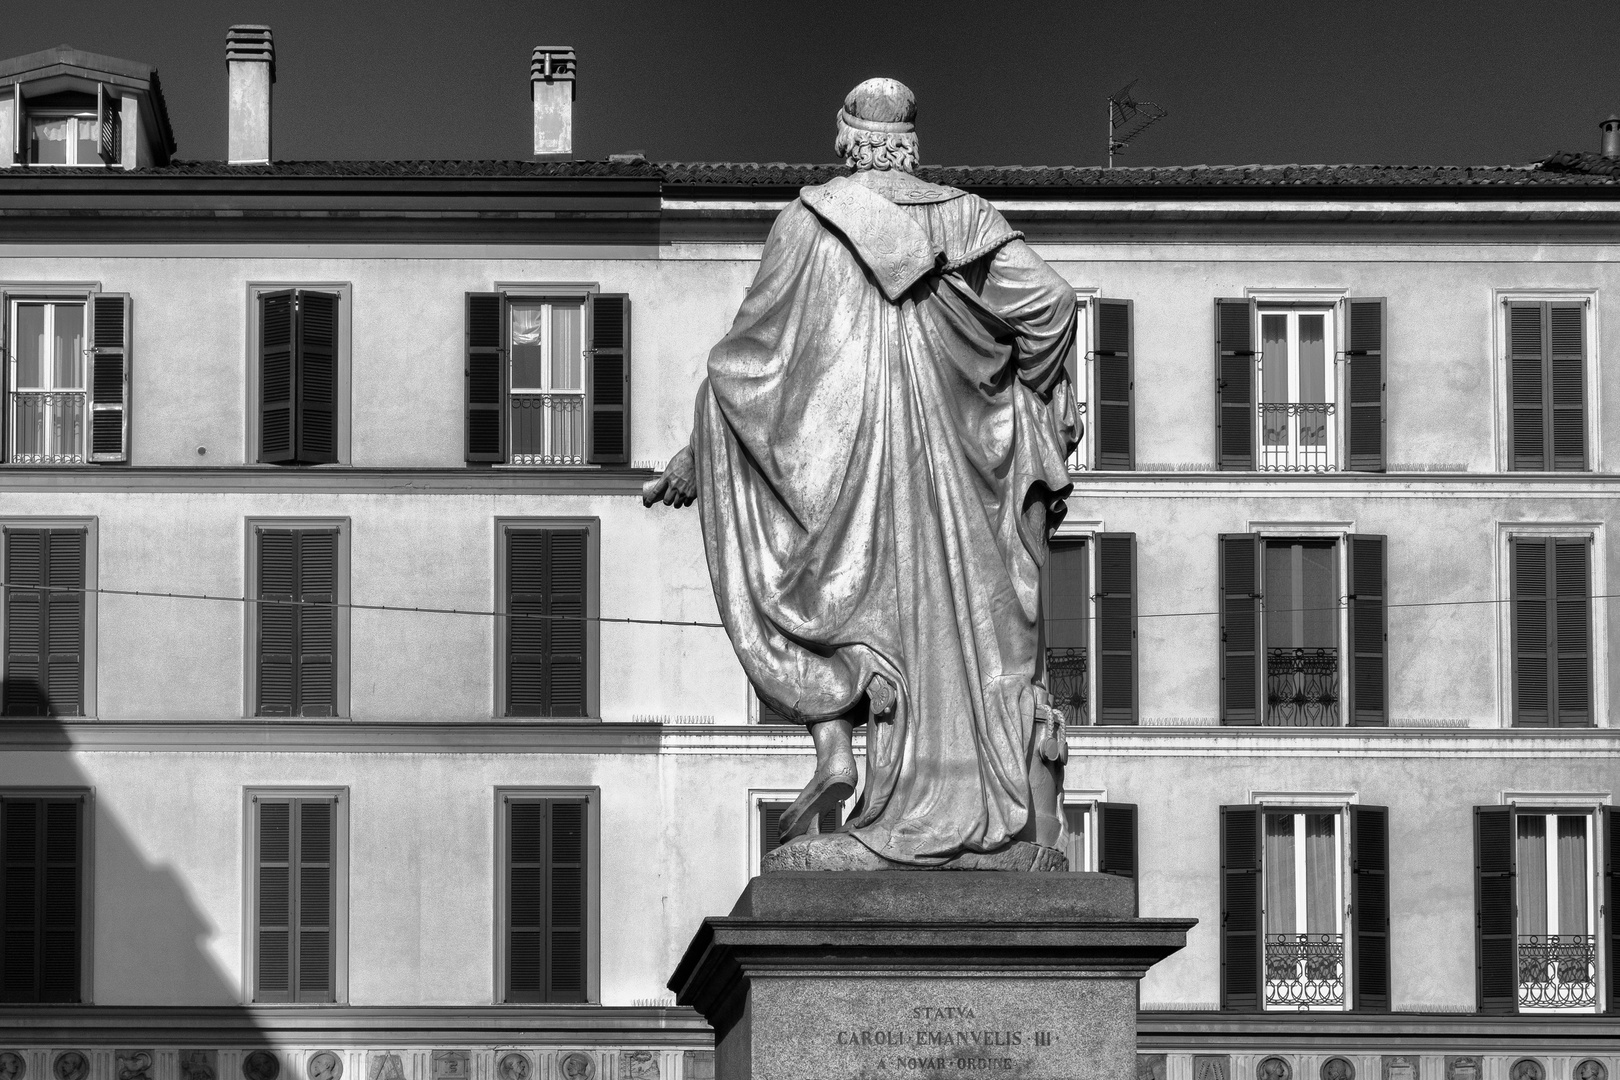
(1207, 1032)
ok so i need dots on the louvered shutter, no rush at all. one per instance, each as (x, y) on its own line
(546, 899)
(525, 900)
(314, 900)
(44, 625)
(109, 141)
(1369, 908)
(1116, 629)
(565, 909)
(41, 901)
(315, 422)
(109, 376)
(1242, 670)
(1116, 840)
(1547, 361)
(1529, 585)
(278, 372)
(277, 623)
(1234, 383)
(486, 376)
(1241, 943)
(1566, 384)
(316, 617)
(770, 826)
(609, 389)
(1571, 643)
(1527, 361)
(1610, 930)
(770, 714)
(1113, 373)
(1367, 358)
(546, 633)
(1550, 584)
(1368, 704)
(273, 969)
(1494, 942)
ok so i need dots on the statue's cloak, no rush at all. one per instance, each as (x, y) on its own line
(881, 448)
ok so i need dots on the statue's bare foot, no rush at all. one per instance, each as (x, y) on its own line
(834, 781)
(677, 486)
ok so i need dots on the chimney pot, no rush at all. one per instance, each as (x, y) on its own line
(250, 57)
(1611, 136)
(551, 88)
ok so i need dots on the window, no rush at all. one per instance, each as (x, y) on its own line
(48, 606)
(546, 900)
(298, 618)
(68, 378)
(1283, 660)
(1104, 384)
(298, 374)
(42, 898)
(770, 823)
(1547, 377)
(1539, 907)
(1551, 614)
(1099, 836)
(1283, 406)
(298, 894)
(1304, 909)
(73, 128)
(548, 630)
(1080, 625)
(548, 378)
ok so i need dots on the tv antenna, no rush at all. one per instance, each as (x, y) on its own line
(1128, 118)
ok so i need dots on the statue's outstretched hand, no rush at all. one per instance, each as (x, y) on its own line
(677, 487)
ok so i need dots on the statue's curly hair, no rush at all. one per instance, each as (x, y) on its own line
(876, 149)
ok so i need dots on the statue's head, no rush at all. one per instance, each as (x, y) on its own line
(877, 127)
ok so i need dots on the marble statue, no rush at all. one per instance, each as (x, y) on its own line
(879, 457)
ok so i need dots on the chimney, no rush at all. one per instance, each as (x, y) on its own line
(251, 58)
(551, 86)
(1611, 136)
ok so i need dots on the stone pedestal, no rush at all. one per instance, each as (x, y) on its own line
(883, 975)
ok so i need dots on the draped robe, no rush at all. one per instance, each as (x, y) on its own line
(881, 451)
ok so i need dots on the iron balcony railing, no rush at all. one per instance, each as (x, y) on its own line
(1297, 437)
(1302, 687)
(1305, 971)
(47, 427)
(1557, 971)
(548, 429)
(1066, 679)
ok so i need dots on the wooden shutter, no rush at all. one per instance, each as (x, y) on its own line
(297, 622)
(609, 388)
(1550, 585)
(1495, 947)
(18, 153)
(109, 376)
(41, 900)
(1234, 383)
(1242, 651)
(1368, 704)
(1566, 384)
(770, 826)
(546, 899)
(1610, 928)
(1571, 643)
(1368, 372)
(1116, 840)
(1369, 908)
(1242, 946)
(315, 423)
(44, 624)
(487, 381)
(1547, 361)
(278, 374)
(1116, 629)
(1113, 384)
(546, 630)
(295, 900)
(770, 714)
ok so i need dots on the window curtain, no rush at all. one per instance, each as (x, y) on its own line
(1532, 874)
(1571, 874)
(1279, 874)
(1321, 897)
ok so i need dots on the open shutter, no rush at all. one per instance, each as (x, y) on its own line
(1610, 929)
(1113, 372)
(109, 126)
(1234, 383)
(1368, 373)
(1369, 631)
(546, 634)
(609, 389)
(272, 976)
(316, 676)
(1566, 384)
(1369, 908)
(565, 908)
(1527, 361)
(314, 900)
(315, 425)
(26, 662)
(1494, 943)
(109, 376)
(1242, 673)
(1571, 643)
(19, 153)
(277, 623)
(487, 381)
(1116, 629)
(278, 368)
(1241, 943)
(1116, 840)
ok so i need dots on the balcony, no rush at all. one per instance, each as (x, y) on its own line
(1557, 971)
(47, 428)
(1304, 971)
(548, 429)
(1302, 687)
(1297, 437)
(1066, 678)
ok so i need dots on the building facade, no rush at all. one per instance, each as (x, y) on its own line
(359, 719)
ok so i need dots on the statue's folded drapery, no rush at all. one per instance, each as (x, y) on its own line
(879, 479)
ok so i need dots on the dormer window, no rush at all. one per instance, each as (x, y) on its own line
(57, 139)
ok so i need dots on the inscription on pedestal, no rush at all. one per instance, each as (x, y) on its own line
(946, 1038)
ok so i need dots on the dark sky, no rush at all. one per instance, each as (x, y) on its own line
(1371, 81)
